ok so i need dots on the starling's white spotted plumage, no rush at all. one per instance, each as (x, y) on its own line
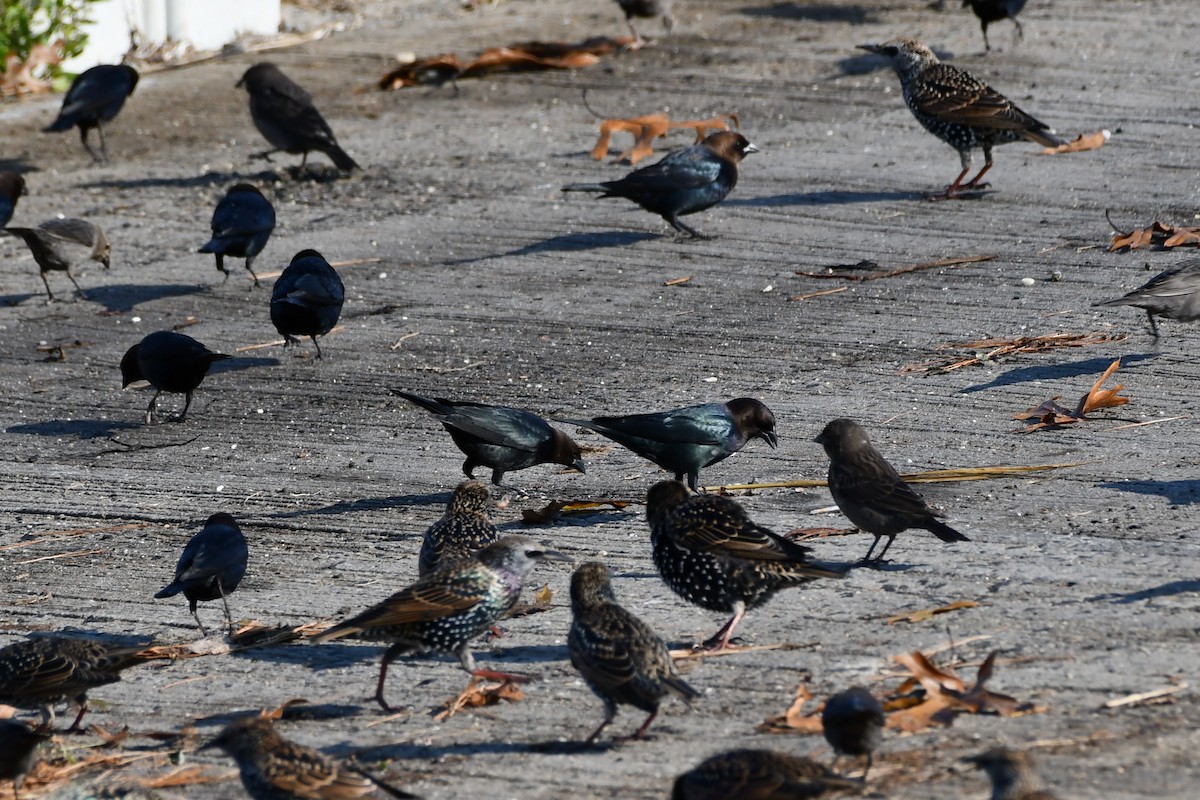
(1012, 774)
(1173, 294)
(461, 531)
(759, 775)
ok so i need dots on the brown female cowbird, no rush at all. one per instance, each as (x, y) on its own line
(683, 440)
(1173, 294)
(12, 186)
(684, 182)
(241, 224)
(171, 362)
(646, 9)
(990, 11)
(286, 117)
(212, 565)
(307, 299)
(504, 439)
(462, 530)
(95, 97)
(852, 722)
(620, 657)
(870, 492)
(1012, 774)
(759, 775)
(63, 244)
(18, 751)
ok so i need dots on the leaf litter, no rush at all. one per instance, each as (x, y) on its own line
(1051, 414)
(991, 350)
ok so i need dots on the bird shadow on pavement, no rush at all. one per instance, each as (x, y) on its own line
(1168, 589)
(831, 197)
(123, 297)
(78, 428)
(570, 243)
(438, 752)
(815, 12)
(1090, 367)
(1177, 493)
(369, 504)
(239, 363)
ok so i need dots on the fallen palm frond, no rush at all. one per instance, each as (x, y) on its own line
(989, 350)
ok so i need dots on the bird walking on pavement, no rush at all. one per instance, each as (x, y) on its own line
(60, 245)
(990, 11)
(96, 96)
(852, 722)
(242, 223)
(646, 9)
(462, 531)
(1012, 773)
(307, 299)
(170, 362)
(18, 751)
(1171, 294)
(748, 774)
(212, 565)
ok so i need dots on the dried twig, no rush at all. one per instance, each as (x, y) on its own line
(924, 265)
(995, 349)
(1144, 697)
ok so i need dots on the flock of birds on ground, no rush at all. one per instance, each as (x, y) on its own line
(704, 546)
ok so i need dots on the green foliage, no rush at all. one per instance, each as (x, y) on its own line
(24, 24)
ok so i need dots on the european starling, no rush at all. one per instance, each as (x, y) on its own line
(1012, 774)
(990, 11)
(12, 186)
(444, 610)
(710, 554)
(621, 658)
(759, 775)
(241, 224)
(683, 440)
(95, 97)
(1171, 294)
(275, 768)
(212, 565)
(501, 438)
(62, 244)
(171, 362)
(958, 108)
(683, 182)
(646, 9)
(461, 531)
(18, 751)
(853, 724)
(307, 299)
(286, 117)
(37, 673)
(870, 492)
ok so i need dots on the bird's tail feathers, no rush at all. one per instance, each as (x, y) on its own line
(63, 123)
(585, 187)
(1044, 138)
(341, 158)
(170, 590)
(682, 688)
(945, 532)
(337, 632)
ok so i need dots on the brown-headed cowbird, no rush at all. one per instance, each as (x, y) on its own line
(275, 768)
(95, 97)
(447, 608)
(852, 722)
(286, 117)
(1173, 294)
(620, 657)
(958, 108)
(683, 440)
(500, 438)
(170, 362)
(212, 565)
(461, 531)
(63, 244)
(18, 751)
(683, 182)
(241, 224)
(870, 492)
(12, 186)
(646, 9)
(710, 554)
(759, 775)
(1012, 774)
(990, 11)
(307, 299)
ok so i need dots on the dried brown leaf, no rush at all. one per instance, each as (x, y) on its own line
(478, 694)
(1182, 237)
(795, 720)
(929, 613)
(1082, 142)
(1051, 413)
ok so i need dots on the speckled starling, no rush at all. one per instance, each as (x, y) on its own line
(620, 657)
(60, 245)
(37, 673)
(275, 768)
(646, 9)
(853, 724)
(683, 440)
(18, 751)
(990, 11)
(170, 362)
(871, 493)
(1173, 294)
(96, 96)
(212, 565)
(444, 610)
(759, 775)
(307, 299)
(1012, 774)
(710, 553)
(958, 108)
(461, 531)
(241, 225)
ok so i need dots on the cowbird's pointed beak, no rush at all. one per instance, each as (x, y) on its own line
(578, 465)
(772, 439)
(750, 148)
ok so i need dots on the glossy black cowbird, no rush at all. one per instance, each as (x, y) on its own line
(852, 722)
(683, 440)
(748, 774)
(212, 565)
(1012, 774)
(95, 97)
(1172, 294)
(170, 362)
(870, 492)
(464, 529)
(500, 438)
(307, 299)
(286, 117)
(990, 11)
(18, 751)
(646, 9)
(683, 182)
(63, 244)
(241, 224)
(12, 186)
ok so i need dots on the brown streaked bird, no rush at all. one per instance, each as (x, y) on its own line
(1172, 294)
(646, 9)
(852, 722)
(1012, 774)
(63, 244)
(749, 774)
(958, 108)
(870, 492)
(18, 751)
(274, 768)
(462, 531)
(990, 11)
(710, 554)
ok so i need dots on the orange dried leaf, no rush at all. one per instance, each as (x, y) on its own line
(1183, 236)
(929, 613)
(1082, 142)
(794, 720)
(478, 694)
(543, 596)
(1099, 398)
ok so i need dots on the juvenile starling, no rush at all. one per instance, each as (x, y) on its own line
(444, 610)
(1171, 294)
(990, 11)
(212, 565)
(18, 751)
(501, 438)
(461, 531)
(646, 9)
(307, 299)
(683, 440)
(620, 657)
(37, 673)
(275, 768)
(12, 186)
(241, 224)
(62, 244)
(759, 775)
(870, 492)
(95, 97)
(710, 554)
(171, 362)
(853, 724)
(1012, 774)
(958, 108)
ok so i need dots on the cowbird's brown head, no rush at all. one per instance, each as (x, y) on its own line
(470, 497)
(754, 419)
(590, 586)
(663, 498)
(131, 370)
(12, 186)
(729, 145)
(567, 453)
(102, 250)
(245, 737)
(842, 437)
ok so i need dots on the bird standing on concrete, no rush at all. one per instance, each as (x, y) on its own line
(852, 722)
(211, 567)
(990, 11)
(1172, 294)
(461, 531)
(748, 774)
(95, 97)
(307, 299)
(170, 362)
(1012, 774)
(18, 751)
(63, 244)
(241, 225)
(12, 186)
(646, 9)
